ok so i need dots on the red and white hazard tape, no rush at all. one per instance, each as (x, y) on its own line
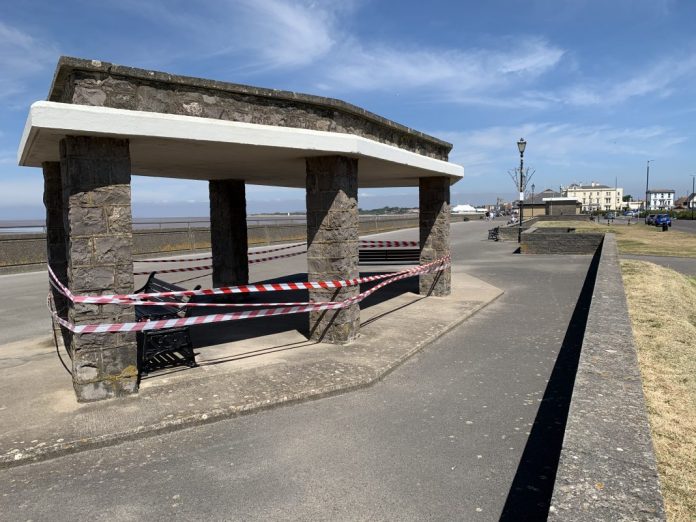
(205, 258)
(210, 267)
(227, 290)
(248, 314)
(369, 243)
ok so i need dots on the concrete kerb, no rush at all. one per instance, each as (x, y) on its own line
(361, 375)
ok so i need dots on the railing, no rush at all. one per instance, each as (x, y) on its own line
(39, 226)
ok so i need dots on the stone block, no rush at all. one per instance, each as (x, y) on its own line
(112, 249)
(91, 279)
(86, 221)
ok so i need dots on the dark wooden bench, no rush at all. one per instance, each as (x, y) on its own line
(167, 347)
(389, 256)
(493, 233)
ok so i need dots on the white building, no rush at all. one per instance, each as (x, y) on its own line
(596, 196)
(660, 199)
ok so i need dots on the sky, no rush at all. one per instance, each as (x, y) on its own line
(597, 88)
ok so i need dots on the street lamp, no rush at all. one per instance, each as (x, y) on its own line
(521, 146)
(692, 203)
(533, 187)
(647, 188)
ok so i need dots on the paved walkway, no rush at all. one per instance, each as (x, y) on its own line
(685, 265)
(440, 438)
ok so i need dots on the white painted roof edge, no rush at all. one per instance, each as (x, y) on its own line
(105, 121)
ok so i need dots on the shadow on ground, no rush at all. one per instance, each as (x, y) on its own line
(530, 494)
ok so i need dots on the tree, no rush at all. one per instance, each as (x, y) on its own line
(627, 197)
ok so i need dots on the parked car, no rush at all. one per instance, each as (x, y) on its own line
(651, 219)
(663, 219)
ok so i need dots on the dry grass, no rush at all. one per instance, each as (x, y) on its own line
(638, 238)
(666, 345)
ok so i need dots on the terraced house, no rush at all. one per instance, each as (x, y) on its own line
(660, 199)
(596, 196)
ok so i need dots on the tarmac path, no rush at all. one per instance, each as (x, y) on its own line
(440, 438)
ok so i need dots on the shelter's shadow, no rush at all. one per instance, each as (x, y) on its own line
(231, 331)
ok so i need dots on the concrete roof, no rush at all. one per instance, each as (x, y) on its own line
(167, 145)
(68, 66)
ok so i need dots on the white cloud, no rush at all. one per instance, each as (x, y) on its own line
(21, 56)
(658, 79)
(493, 150)
(464, 75)
(286, 34)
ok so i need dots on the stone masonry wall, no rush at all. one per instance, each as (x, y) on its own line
(550, 241)
(228, 232)
(158, 92)
(97, 213)
(56, 241)
(332, 243)
(434, 201)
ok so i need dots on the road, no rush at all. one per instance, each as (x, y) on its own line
(440, 438)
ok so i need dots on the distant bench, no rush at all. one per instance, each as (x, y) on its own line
(169, 346)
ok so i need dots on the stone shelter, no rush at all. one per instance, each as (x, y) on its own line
(103, 122)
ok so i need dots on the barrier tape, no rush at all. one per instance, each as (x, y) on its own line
(369, 243)
(364, 243)
(210, 267)
(204, 258)
(226, 290)
(248, 314)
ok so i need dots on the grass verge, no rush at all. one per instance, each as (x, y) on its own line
(662, 306)
(637, 238)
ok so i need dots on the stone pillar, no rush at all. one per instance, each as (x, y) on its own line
(56, 240)
(228, 232)
(332, 243)
(434, 202)
(97, 219)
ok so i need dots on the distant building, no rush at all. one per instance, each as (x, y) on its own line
(691, 200)
(467, 209)
(535, 205)
(660, 199)
(596, 196)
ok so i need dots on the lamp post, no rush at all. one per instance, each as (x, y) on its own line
(647, 188)
(692, 203)
(533, 211)
(521, 146)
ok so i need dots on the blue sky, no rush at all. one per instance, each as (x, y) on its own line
(595, 87)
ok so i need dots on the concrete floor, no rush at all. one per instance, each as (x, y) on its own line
(440, 438)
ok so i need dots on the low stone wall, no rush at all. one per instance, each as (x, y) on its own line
(26, 252)
(510, 232)
(559, 241)
(607, 468)
(565, 217)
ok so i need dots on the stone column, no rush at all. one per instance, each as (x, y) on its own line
(228, 232)
(56, 240)
(97, 219)
(434, 202)
(332, 243)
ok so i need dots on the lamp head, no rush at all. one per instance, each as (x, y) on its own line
(521, 145)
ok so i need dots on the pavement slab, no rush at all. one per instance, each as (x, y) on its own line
(41, 418)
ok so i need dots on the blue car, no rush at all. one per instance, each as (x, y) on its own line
(663, 219)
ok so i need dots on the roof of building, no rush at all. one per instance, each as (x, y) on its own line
(538, 198)
(168, 145)
(653, 191)
(68, 67)
(575, 186)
